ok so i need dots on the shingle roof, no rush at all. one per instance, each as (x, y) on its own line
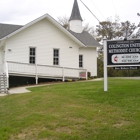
(6, 29)
(75, 15)
(85, 38)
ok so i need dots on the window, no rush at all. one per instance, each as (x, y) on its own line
(32, 56)
(56, 57)
(80, 61)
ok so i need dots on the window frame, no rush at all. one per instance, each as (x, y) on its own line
(32, 55)
(80, 61)
(55, 57)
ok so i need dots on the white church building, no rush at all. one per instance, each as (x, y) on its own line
(45, 49)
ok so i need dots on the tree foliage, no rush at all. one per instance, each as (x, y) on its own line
(89, 29)
(115, 29)
(64, 21)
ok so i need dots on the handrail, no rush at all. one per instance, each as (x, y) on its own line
(44, 65)
(46, 70)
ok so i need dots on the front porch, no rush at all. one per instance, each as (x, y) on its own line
(41, 71)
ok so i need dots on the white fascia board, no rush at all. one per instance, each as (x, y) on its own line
(52, 21)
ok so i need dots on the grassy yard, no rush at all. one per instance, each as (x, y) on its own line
(73, 111)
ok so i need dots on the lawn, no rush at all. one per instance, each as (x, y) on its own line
(73, 111)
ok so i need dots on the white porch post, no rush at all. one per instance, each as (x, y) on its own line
(63, 74)
(105, 65)
(7, 74)
(86, 74)
(36, 77)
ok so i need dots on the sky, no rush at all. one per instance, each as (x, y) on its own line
(21, 12)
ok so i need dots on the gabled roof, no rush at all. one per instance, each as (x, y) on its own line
(19, 28)
(86, 38)
(6, 29)
(75, 14)
(83, 39)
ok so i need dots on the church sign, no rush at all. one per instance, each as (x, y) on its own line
(123, 52)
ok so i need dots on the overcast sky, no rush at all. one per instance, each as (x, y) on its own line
(23, 11)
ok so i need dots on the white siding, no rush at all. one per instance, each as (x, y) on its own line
(45, 37)
(1, 58)
(89, 60)
(1, 61)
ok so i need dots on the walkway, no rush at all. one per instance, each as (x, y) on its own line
(19, 90)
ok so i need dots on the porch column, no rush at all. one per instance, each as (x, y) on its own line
(36, 77)
(86, 74)
(63, 74)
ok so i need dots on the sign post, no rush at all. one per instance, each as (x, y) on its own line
(120, 53)
(105, 65)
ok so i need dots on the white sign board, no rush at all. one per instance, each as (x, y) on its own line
(125, 58)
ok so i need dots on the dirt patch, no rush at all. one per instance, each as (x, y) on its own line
(122, 123)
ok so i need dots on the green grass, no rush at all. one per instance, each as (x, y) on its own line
(73, 111)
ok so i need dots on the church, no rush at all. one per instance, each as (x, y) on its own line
(44, 49)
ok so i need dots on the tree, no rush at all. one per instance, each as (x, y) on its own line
(115, 29)
(108, 29)
(100, 65)
(128, 28)
(137, 33)
(89, 29)
(64, 21)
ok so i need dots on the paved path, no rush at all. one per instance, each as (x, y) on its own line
(19, 90)
(23, 89)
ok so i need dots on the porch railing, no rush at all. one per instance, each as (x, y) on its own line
(45, 70)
